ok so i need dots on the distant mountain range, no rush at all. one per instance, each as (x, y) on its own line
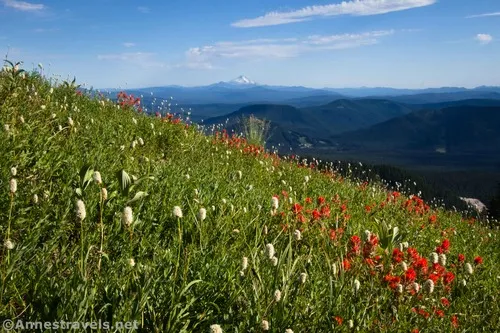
(244, 90)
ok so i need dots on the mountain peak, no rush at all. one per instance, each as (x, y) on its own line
(242, 79)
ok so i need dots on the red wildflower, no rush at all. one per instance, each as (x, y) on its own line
(325, 211)
(339, 320)
(434, 278)
(432, 219)
(410, 275)
(478, 260)
(368, 208)
(445, 245)
(439, 313)
(346, 264)
(448, 277)
(415, 330)
(445, 301)
(461, 258)
(397, 255)
(296, 208)
(333, 234)
(308, 200)
(454, 321)
(316, 215)
(321, 200)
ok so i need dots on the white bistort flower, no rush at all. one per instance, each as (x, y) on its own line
(131, 262)
(202, 214)
(104, 193)
(215, 328)
(71, 122)
(429, 286)
(274, 202)
(442, 259)
(469, 269)
(244, 263)
(357, 285)
(434, 258)
(13, 171)
(127, 216)
(297, 234)
(9, 244)
(277, 295)
(303, 277)
(13, 185)
(274, 261)
(270, 250)
(80, 210)
(177, 211)
(97, 177)
(264, 325)
(35, 199)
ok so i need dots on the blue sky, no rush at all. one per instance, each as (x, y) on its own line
(315, 43)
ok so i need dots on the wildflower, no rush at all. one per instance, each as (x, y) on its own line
(13, 171)
(177, 212)
(350, 323)
(445, 301)
(464, 283)
(244, 263)
(127, 216)
(429, 286)
(416, 287)
(21, 119)
(288, 330)
(297, 234)
(240, 174)
(461, 257)
(399, 288)
(53, 116)
(13, 185)
(454, 321)
(97, 177)
(357, 285)
(224, 201)
(277, 295)
(334, 268)
(134, 121)
(60, 128)
(35, 199)
(133, 144)
(265, 325)
(469, 269)
(43, 107)
(410, 275)
(71, 122)
(8, 244)
(478, 260)
(274, 261)
(270, 250)
(236, 231)
(274, 202)
(404, 265)
(303, 277)
(202, 214)
(141, 141)
(307, 178)
(131, 262)
(442, 259)
(6, 127)
(104, 194)
(80, 210)
(434, 257)
(215, 328)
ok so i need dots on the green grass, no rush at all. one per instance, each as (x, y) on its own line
(187, 274)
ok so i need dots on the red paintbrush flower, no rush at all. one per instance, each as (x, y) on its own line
(478, 260)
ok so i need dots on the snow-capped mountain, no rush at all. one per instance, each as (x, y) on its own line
(242, 79)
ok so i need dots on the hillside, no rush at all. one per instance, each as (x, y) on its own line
(110, 215)
(454, 130)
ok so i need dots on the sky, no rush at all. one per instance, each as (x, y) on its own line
(313, 43)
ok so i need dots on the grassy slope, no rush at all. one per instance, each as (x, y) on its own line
(186, 275)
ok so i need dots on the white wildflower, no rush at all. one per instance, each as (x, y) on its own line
(134, 121)
(469, 269)
(307, 178)
(177, 211)
(244, 263)
(127, 216)
(59, 128)
(104, 194)
(429, 286)
(416, 287)
(404, 265)
(434, 258)
(71, 122)
(240, 174)
(464, 283)
(297, 234)
(288, 330)
(277, 295)
(350, 323)
(442, 259)
(141, 141)
(13, 171)
(131, 262)
(53, 116)
(274, 261)
(97, 177)
(399, 288)
(80, 210)
(21, 119)
(9, 244)
(35, 199)
(202, 214)
(264, 325)
(270, 250)
(215, 328)
(274, 202)
(133, 144)
(6, 127)
(303, 277)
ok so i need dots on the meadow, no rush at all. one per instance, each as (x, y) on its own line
(110, 214)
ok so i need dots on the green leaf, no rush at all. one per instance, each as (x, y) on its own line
(86, 173)
(124, 181)
(139, 195)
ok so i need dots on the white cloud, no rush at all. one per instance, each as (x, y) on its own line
(257, 49)
(355, 8)
(140, 59)
(128, 44)
(484, 38)
(143, 9)
(23, 6)
(484, 15)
